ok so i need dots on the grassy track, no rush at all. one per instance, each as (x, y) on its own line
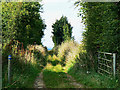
(56, 80)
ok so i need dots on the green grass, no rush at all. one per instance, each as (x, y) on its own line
(93, 79)
(56, 80)
(23, 75)
(54, 75)
(75, 53)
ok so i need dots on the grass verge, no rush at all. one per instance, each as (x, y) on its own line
(92, 79)
(23, 75)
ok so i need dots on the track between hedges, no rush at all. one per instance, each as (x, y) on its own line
(39, 82)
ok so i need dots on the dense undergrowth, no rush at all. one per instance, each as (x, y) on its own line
(72, 58)
(68, 58)
(92, 79)
(23, 75)
(23, 69)
(65, 54)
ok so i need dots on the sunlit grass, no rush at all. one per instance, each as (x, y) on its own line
(25, 68)
(77, 62)
(54, 77)
(57, 68)
(93, 79)
(22, 75)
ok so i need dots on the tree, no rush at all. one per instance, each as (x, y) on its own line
(102, 29)
(22, 21)
(66, 32)
(62, 30)
(101, 21)
(9, 13)
(32, 22)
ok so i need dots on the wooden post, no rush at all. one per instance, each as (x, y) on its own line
(9, 68)
(114, 62)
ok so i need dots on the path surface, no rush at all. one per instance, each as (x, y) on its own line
(39, 83)
(56, 80)
(74, 83)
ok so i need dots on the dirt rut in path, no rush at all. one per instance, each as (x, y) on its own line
(74, 83)
(39, 83)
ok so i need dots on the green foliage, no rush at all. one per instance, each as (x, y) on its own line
(66, 33)
(92, 79)
(9, 14)
(54, 50)
(40, 58)
(22, 21)
(66, 54)
(56, 80)
(102, 26)
(24, 70)
(78, 63)
(22, 75)
(102, 29)
(62, 30)
(54, 60)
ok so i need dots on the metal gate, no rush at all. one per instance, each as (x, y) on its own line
(107, 63)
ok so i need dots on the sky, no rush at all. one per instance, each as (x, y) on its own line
(54, 10)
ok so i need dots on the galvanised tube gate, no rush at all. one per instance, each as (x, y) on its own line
(107, 63)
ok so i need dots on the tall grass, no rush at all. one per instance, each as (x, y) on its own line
(68, 52)
(25, 68)
(22, 75)
(92, 79)
(81, 65)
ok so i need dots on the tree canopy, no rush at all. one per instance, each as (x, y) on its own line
(22, 21)
(62, 30)
(101, 21)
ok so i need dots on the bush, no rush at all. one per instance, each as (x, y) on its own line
(55, 50)
(68, 51)
(54, 60)
(25, 68)
(40, 54)
(22, 74)
(87, 61)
